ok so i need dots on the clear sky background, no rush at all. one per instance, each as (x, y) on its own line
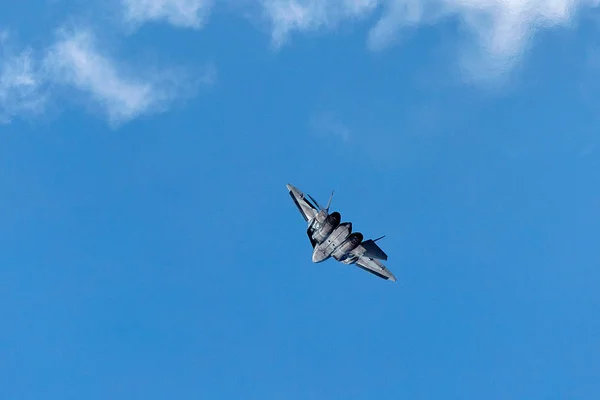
(149, 248)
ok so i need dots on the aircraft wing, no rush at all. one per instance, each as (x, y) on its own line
(306, 208)
(375, 267)
(372, 250)
(369, 254)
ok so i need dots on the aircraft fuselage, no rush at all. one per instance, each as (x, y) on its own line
(331, 238)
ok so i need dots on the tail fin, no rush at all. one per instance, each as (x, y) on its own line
(329, 202)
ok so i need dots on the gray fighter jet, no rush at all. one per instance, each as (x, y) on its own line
(330, 237)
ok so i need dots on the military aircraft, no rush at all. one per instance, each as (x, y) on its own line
(330, 237)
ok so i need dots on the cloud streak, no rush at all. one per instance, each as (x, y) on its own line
(501, 28)
(75, 60)
(310, 15)
(75, 67)
(181, 13)
(20, 86)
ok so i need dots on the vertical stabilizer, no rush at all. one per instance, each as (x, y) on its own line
(329, 202)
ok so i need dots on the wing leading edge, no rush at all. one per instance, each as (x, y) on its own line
(375, 267)
(306, 208)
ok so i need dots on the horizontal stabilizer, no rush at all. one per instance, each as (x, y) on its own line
(373, 251)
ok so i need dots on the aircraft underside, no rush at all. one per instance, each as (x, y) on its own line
(331, 238)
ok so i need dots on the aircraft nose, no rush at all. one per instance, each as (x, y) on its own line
(289, 187)
(318, 256)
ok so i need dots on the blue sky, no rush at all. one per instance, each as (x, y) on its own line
(149, 248)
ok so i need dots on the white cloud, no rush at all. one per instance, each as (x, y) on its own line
(183, 13)
(75, 62)
(20, 83)
(501, 28)
(308, 15)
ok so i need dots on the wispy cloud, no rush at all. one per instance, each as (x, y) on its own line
(77, 63)
(310, 15)
(182, 13)
(20, 82)
(75, 60)
(327, 124)
(501, 28)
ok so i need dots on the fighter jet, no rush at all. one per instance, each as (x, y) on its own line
(330, 237)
